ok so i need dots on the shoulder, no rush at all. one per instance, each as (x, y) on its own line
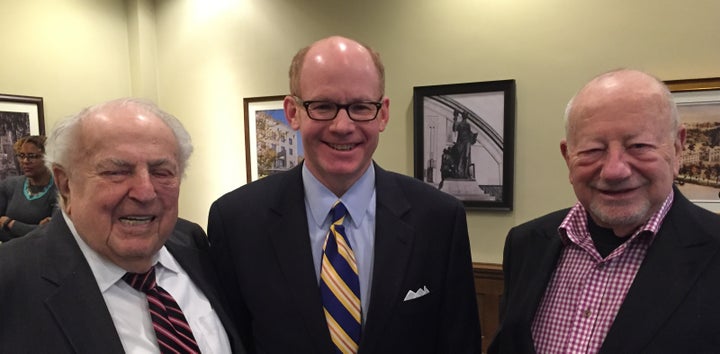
(12, 182)
(684, 214)
(550, 221)
(262, 189)
(21, 255)
(190, 234)
(412, 188)
(537, 231)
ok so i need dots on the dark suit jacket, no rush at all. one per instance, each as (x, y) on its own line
(259, 239)
(672, 306)
(50, 302)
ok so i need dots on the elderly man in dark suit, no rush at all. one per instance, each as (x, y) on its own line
(633, 267)
(111, 273)
(387, 271)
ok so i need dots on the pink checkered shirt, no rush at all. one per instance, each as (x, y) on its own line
(586, 291)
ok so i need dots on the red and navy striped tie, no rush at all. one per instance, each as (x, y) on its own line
(340, 287)
(171, 328)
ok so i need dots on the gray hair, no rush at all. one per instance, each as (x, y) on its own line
(62, 141)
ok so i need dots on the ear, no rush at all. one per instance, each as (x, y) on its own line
(63, 185)
(566, 155)
(292, 112)
(564, 151)
(384, 114)
(679, 147)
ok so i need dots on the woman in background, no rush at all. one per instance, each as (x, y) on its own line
(27, 201)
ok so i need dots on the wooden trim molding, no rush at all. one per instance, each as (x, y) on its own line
(488, 289)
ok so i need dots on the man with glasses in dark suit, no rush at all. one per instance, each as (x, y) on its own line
(409, 284)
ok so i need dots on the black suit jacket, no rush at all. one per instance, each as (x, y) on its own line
(672, 306)
(50, 302)
(259, 239)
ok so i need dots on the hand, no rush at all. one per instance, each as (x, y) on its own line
(4, 220)
(44, 221)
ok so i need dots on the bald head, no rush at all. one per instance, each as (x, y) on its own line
(623, 88)
(335, 48)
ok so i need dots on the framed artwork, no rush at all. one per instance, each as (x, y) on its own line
(464, 141)
(271, 145)
(698, 102)
(20, 116)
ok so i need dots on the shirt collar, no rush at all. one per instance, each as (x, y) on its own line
(574, 227)
(107, 273)
(357, 199)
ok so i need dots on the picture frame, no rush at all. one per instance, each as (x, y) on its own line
(20, 116)
(271, 145)
(698, 103)
(464, 141)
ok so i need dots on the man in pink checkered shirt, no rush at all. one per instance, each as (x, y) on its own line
(633, 267)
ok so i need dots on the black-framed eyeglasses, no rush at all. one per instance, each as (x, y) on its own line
(326, 110)
(30, 156)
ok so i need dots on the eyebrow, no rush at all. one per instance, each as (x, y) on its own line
(124, 163)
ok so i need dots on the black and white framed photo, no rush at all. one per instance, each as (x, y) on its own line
(464, 141)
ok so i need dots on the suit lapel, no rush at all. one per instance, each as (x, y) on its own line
(549, 252)
(536, 277)
(77, 305)
(393, 245)
(674, 261)
(291, 241)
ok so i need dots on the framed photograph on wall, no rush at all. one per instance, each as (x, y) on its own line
(698, 102)
(20, 116)
(464, 141)
(271, 145)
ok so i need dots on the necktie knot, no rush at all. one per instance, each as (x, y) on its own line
(172, 331)
(338, 213)
(141, 281)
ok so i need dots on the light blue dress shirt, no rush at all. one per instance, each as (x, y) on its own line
(359, 226)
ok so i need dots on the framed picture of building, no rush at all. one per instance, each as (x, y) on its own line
(271, 145)
(464, 141)
(698, 102)
(20, 116)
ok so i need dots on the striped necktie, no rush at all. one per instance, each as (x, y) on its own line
(171, 328)
(339, 286)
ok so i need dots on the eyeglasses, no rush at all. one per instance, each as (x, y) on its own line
(30, 156)
(326, 110)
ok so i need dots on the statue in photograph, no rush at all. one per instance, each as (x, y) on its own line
(464, 141)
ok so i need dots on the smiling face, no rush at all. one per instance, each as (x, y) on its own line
(339, 151)
(121, 190)
(622, 150)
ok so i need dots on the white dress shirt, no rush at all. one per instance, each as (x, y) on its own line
(129, 309)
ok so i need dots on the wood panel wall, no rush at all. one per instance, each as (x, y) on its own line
(488, 289)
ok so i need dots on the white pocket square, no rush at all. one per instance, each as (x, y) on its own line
(412, 295)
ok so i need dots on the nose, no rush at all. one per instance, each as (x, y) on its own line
(342, 122)
(142, 188)
(615, 167)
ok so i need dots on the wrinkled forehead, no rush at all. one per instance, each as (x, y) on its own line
(111, 129)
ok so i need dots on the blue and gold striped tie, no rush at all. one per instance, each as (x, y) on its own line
(340, 287)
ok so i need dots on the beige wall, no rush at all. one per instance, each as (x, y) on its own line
(209, 54)
(71, 52)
